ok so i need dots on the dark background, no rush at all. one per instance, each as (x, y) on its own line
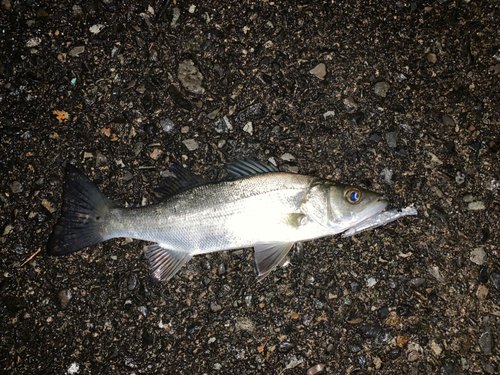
(414, 87)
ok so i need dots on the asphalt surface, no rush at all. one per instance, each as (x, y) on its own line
(395, 96)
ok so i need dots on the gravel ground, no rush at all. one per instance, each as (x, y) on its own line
(395, 96)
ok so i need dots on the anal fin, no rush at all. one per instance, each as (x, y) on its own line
(165, 263)
(268, 256)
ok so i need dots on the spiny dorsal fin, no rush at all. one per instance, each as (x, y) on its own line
(164, 263)
(268, 256)
(182, 180)
(246, 168)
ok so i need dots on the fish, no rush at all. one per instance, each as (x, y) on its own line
(254, 206)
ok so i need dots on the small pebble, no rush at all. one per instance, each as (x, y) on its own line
(16, 187)
(221, 270)
(293, 362)
(223, 125)
(191, 144)
(329, 114)
(478, 256)
(319, 71)
(413, 356)
(377, 362)
(74, 368)
(417, 281)
(485, 343)
(176, 13)
(482, 292)
(432, 58)
(213, 115)
(394, 353)
(483, 275)
(309, 280)
(383, 312)
(354, 348)
(468, 198)
(350, 104)
(248, 128)
(76, 51)
(143, 310)
(434, 271)
(317, 369)
(33, 42)
(131, 282)
(64, 297)
(436, 348)
(96, 29)
(476, 206)
(495, 279)
(460, 178)
(190, 77)
(77, 11)
(215, 307)
(391, 139)
(167, 125)
(287, 157)
(155, 154)
(285, 347)
(381, 89)
(6, 5)
(372, 331)
(387, 176)
(448, 121)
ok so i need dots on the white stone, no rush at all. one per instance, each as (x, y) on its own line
(329, 114)
(96, 29)
(248, 127)
(191, 144)
(478, 256)
(476, 206)
(287, 157)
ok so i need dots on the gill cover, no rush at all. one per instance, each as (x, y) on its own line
(317, 206)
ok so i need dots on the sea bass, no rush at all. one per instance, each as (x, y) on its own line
(255, 206)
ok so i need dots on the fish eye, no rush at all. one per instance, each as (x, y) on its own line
(353, 195)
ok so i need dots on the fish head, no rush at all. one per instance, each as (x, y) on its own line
(339, 207)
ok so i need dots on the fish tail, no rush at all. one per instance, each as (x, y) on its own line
(82, 222)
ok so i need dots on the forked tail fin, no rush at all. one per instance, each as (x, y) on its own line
(83, 214)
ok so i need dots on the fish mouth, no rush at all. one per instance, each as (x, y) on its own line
(375, 208)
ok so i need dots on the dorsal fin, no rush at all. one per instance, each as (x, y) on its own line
(181, 180)
(245, 168)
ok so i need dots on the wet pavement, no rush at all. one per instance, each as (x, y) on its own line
(395, 96)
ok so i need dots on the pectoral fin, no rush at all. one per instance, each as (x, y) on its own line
(268, 256)
(164, 262)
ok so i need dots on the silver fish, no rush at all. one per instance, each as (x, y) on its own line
(256, 206)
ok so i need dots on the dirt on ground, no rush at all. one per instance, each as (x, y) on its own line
(395, 96)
